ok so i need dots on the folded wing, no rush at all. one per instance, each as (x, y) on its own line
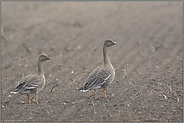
(97, 78)
(27, 84)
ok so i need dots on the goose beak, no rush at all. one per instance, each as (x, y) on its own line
(114, 43)
(49, 58)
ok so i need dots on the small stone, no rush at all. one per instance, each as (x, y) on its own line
(79, 47)
(161, 106)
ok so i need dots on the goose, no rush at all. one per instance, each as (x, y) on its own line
(101, 77)
(33, 83)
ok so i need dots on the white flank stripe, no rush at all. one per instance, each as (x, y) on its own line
(84, 90)
(31, 88)
(107, 77)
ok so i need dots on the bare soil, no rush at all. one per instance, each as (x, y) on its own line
(148, 85)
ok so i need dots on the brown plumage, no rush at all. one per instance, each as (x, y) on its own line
(33, 83)
(102, 76)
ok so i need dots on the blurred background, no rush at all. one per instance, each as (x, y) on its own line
(147, 59)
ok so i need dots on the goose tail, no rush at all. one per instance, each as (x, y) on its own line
(83, 89)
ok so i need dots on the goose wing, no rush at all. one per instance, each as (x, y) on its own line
(97, 78)
(28, 84)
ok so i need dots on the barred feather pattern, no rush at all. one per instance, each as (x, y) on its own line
(96, 79)
(28, 84)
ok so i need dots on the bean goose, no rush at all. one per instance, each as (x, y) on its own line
(101, 77)
(33, 83)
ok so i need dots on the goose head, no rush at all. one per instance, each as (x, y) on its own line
(109, 43)
(44, 58)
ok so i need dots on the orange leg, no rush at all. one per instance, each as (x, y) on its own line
(105, 93)
(37, 99)
(28, 99)
(95, 94)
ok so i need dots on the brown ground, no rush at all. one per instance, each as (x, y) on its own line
(147, 59)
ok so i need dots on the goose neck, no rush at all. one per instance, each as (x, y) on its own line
(40, 68)
(105, 56)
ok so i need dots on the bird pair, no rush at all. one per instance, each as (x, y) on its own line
(100, 77)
